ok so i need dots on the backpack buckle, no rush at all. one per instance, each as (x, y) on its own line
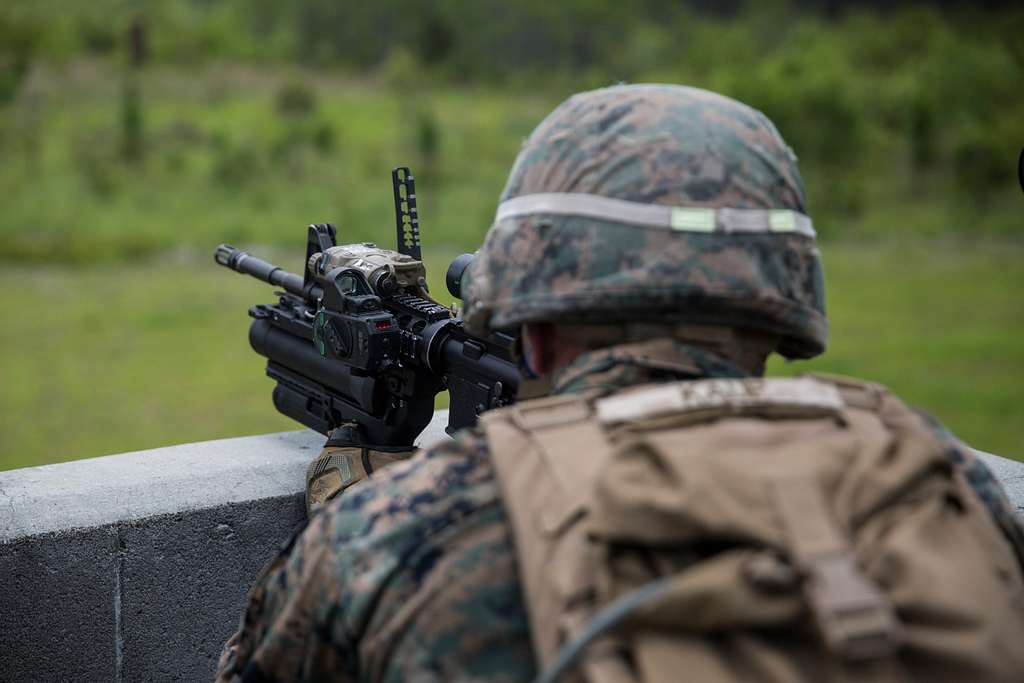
(856, 621)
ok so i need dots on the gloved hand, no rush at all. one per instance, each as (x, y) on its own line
(345, 459)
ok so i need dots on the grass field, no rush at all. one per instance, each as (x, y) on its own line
(235, 153)
(105, 360)
(225, 160)
(120, 333)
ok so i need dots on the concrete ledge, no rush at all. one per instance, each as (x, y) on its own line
(1010, 474)
(135, 567)
(132, 486)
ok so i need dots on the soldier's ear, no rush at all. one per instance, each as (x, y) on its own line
(539, 351)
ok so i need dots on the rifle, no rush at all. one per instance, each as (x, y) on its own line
(357, 338)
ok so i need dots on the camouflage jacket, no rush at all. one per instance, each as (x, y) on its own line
(411, 575)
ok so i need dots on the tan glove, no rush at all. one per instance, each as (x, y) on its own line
(345, 460)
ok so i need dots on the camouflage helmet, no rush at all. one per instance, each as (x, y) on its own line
(658, 203)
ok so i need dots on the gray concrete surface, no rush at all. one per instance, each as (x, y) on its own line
(57, 607)
(1010, 474)
(135, 567)
(131, 486)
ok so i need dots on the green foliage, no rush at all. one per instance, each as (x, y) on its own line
(806, 91)
(261, 117)
(221, 158)
(981, 159)
(428, 141)
(132, 144)
(235, 163)
(922, 132)
(296, 99)
(401, 71)
(324, 138)
(97, 164)
(935, 88)
(18, 39)
(937, 322)
(258, 150)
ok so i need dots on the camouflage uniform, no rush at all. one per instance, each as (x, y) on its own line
(412, 575)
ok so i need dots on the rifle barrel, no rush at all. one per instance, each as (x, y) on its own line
(244, 263)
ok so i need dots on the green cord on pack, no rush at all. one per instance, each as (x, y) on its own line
(606, 619)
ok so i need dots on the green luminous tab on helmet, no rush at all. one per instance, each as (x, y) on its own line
(782, 221)
(693, 219)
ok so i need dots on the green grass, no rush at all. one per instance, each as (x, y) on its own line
(121, 334)
(107, 360)
(939, 323)
(224, 164)
(110, 360)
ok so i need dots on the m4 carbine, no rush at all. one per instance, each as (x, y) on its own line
(357, 338)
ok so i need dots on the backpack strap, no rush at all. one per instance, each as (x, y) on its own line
(547, 454)
(708, 399)
(855, 620)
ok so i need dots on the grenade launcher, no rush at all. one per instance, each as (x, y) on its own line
(357, 338)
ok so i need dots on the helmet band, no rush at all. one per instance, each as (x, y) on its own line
(676, 218)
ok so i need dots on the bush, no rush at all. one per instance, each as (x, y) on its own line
(18, 38)
(811, 94)
(324, 138)
(95, 157)
(296, 99)
(982, 161)
(428, 140)
(236, 164)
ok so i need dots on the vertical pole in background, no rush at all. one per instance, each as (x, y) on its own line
(131, 95)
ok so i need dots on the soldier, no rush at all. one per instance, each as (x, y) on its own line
(664, 513)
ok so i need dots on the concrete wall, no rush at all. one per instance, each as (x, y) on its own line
(135, 567)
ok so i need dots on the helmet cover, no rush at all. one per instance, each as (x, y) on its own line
(658, 203)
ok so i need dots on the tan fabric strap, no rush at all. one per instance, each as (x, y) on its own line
(842, 517)
(567, 439)
(855, 619)
(546, 455)
(799, 397)
(676, 218)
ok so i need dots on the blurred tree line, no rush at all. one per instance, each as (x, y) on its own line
(137, 134)
(846, 83)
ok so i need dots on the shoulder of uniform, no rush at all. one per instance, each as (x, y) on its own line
(415, 490)
(805, 395)
(844, 381)
(465, 442)
(538, 413)
(856, 393)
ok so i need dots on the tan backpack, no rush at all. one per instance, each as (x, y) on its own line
(803, 529)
